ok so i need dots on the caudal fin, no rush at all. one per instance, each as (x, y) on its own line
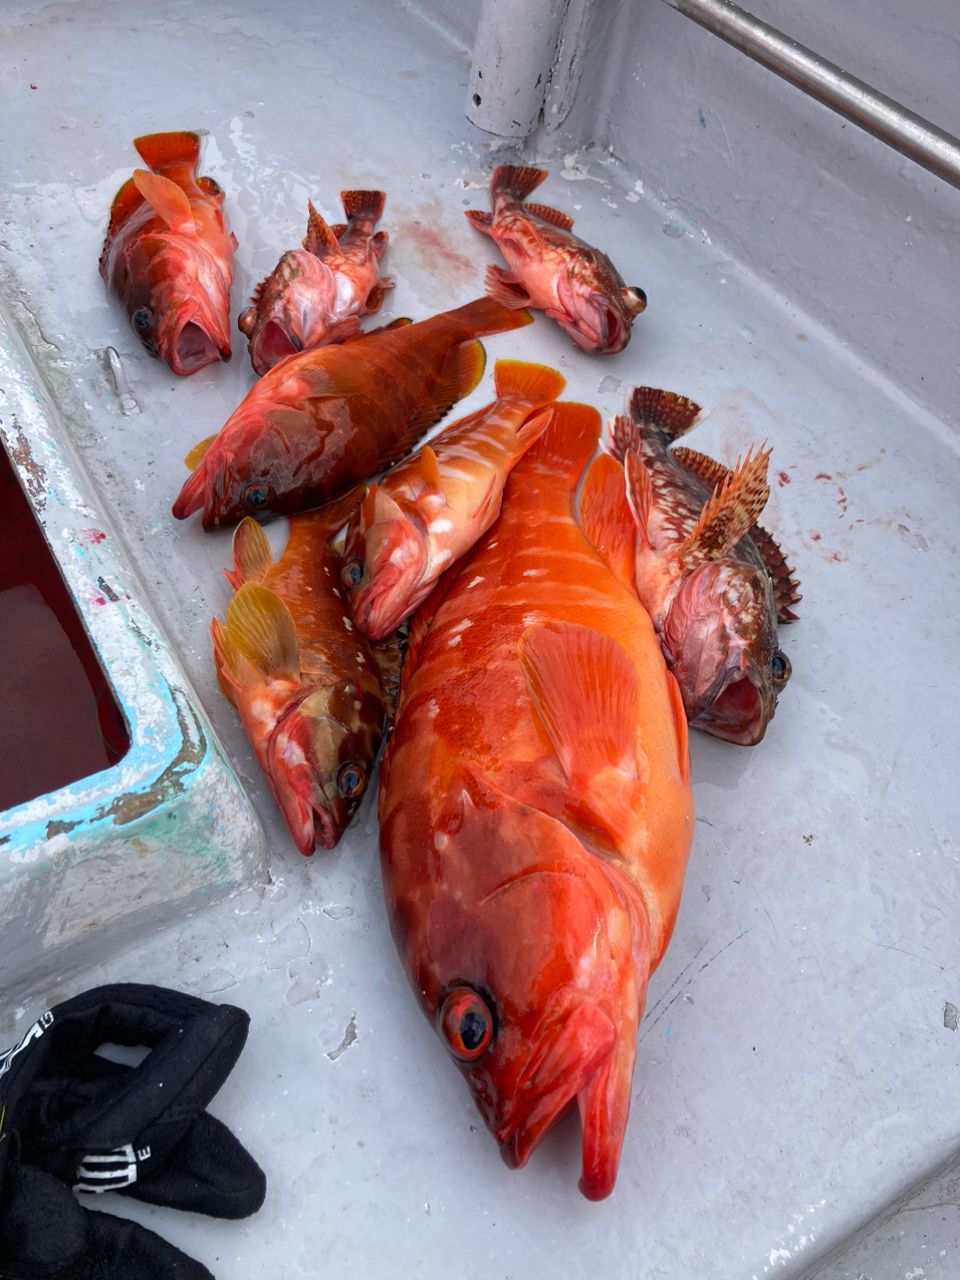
(486, 315)
(364, 204)
(166, 150)
(516, 180)
(537, 383)
(663, 415)
(566, 446)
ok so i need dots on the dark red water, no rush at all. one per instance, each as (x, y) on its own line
(60, 720)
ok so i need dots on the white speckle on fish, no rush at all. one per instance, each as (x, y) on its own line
(474, 581)
(441, 525)
(534, 573)
(462, 626)
(454, 641)
(347, 623)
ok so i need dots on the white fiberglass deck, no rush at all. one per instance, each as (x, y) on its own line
(796, 1072)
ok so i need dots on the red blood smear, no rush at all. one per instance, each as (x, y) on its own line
(60, 720)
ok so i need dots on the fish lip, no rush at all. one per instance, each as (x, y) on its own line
(378, 613)
(310, 821)
(723, 717)
(264, 353)
(192, 494)
(188, 352)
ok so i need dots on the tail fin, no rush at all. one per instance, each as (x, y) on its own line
(486, 315)
(517, 181)
(661, 414)
(537, 383)
(166, 150)
(363, 204)
(566, 446)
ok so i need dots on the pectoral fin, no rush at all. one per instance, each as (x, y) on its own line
(730, 513)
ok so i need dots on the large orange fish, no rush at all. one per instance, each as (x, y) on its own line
(551, 269)
(536, 815)
(168, 256)
(312, 694)
(429, 511)
(316, 294)
(683, 529)
(319, 422)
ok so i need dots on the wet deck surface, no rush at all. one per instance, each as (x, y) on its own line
(795, 1069)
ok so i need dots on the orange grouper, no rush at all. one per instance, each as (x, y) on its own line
(312, 693)
(536, 815)
(168, 256)
(319, 422)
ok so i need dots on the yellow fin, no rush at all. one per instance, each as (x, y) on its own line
(429, 467)
(262, 630)
(252, 556)
(537, 383)
(199, 452)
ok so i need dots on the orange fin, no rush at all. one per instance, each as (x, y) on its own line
(516, 180)
(161, 150)
(400, 323)
(199, 452)
(567, 444)
(479, 220)
(430, 468)
(664, 415)
(320, 238)
(486, 315)
(700, 465)
(553, 216)
(363, 204)
(680, 721)
(252, 557)
(167, 198)
(461, 371)
(339, 229)
(606, 519)
(730, 513)
(586, 694)
(786, 588)
(375, 297)
(263, 631)
(537, 383)
(532, 429)
(639, 493)
(127, 199)
(505, 288)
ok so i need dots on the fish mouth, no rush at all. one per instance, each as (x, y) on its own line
(271, 344)
(570, 1064)
(380, 610)
(740, 714)
(315, 814)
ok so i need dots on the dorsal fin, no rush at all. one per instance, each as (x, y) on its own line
(430, 468)
(785, 586)
(127, 199)
(639, 494)
(320, 238)
(730, 513)
(199, 452)
(605, 516)
(700, 465)
(169, 200)
(546, 214)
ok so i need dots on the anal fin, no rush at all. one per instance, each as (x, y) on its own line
(546, 214)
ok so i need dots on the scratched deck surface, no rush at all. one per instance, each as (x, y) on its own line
(796, 1071)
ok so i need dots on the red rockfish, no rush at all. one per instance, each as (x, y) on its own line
(429, 511)
(536, 815)
(168, 256)
(551, 269)
(682, 528)
(313, 695)
(319, 422)
(317, 294)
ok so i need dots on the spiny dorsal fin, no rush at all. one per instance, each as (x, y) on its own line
(199, 452)
(320, 238)
(786, 588)
(252, 557)
(606, 518)
(731, 512)
(554, 216)
(700, 465)
(263, 631)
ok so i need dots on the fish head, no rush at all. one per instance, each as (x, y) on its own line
(185, 318)
(319, 760)
(251, 467)
(720, 639)
(597, 314)
(535, 978)
(385, 556)
(292, 311)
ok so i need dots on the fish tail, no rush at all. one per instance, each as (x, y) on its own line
(516, 180)
(567, 445)
(486, 315)
(168, 150)
(537, 383)
(363, 204)
(664, 415)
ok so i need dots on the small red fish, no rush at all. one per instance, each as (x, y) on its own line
(316, 294)
(536, 815)
(321, 421)
(682, 528)
(313, 695)
(551, 269)
(429, 511)
(168, 256)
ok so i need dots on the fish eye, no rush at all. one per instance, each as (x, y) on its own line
(467, 1023)
(780, 667)
(351, 781)
(143, 319)
(257, 496)
(352, 573)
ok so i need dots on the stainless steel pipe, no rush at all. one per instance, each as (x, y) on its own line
(887, 120)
